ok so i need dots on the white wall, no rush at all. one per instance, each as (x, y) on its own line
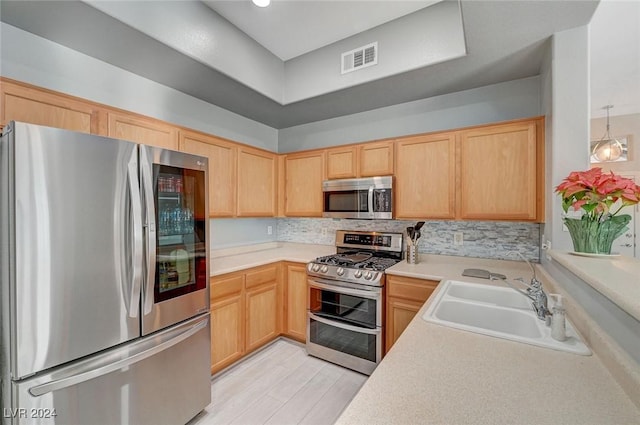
(620, 126)
(498, 102)
(567, 111)
(568, 122)
(35, 60)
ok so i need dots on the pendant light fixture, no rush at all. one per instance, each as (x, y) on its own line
(607, 149)
(261, 3)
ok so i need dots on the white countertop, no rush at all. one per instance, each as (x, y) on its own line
(435, 374)
(617, 278)
(439, 375)
(234, 259)
(441, 267)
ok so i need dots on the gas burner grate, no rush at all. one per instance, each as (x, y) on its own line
(358, 261)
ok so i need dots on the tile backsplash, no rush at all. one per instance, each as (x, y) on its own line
(481, 239)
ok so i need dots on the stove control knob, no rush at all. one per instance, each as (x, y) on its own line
(340, 271)
(368, 275)
(357, 274)
(315, 267)
(324, 269)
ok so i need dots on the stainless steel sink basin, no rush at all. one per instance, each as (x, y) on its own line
(498, 312)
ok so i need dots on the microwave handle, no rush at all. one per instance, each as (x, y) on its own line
(370, 206)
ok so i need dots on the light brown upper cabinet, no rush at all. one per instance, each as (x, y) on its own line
(38, 106)
(364, 160)
(425, 176)
(304, 173)
(257, 183)
(342, 163)
(222, 157)
(376, 159)
(499, 175)
(142, 130)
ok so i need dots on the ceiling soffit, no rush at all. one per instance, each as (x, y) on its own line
(505, 41)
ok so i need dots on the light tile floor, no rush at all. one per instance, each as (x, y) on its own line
(280, 385)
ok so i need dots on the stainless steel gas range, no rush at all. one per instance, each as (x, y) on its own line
(345, 317)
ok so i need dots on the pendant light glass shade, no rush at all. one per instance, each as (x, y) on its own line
(262, 3)
(607, 149)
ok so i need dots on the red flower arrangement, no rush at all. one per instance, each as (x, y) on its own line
(597, 193)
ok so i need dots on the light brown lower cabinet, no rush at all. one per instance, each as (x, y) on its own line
(405, 296)
(245, 313)
(295, 295)
(263, 303)
(227, 320)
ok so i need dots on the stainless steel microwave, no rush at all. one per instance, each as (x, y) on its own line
(368, 198)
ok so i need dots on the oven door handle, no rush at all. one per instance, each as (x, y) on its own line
(344, 290)
(344, 326)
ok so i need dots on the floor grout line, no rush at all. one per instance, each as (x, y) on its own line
(256, 388)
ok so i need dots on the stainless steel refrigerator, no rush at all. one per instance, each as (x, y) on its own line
(105, 271)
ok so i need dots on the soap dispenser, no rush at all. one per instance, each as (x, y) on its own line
(558, 326)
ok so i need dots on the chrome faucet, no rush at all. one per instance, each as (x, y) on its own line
(533, 290)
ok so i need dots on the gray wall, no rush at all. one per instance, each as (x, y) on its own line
(239, 56)
(230, 232)
(435, 31)
(498, 102)
(35, 60)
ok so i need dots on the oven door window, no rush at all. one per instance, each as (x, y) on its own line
(346, 341)
(348, 309)
(346, 201)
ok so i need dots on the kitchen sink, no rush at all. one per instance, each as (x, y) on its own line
(497, 312)
(498, 295)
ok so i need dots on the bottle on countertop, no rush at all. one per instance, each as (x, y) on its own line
(558, 319)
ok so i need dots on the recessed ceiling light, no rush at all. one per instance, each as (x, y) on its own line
(261, 3)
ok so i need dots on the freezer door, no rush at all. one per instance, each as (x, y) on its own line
(176, 283)
(159, 379)
(75, 228)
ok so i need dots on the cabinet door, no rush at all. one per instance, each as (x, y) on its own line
(399, 313)
(222, 170)
(257, 182)
(303, 186)
(262, 306)
(405, 296)
(296, 302)
(498, 172)
(342, 163)
(39, 106)
(425, 176)
(376, 159)
(227, 321)
(142, 130)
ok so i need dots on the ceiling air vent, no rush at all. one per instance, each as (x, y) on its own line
(359, 58)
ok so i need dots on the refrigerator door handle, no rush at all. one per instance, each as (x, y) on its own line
(149, 198)
(136, 206)
(93, 373)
